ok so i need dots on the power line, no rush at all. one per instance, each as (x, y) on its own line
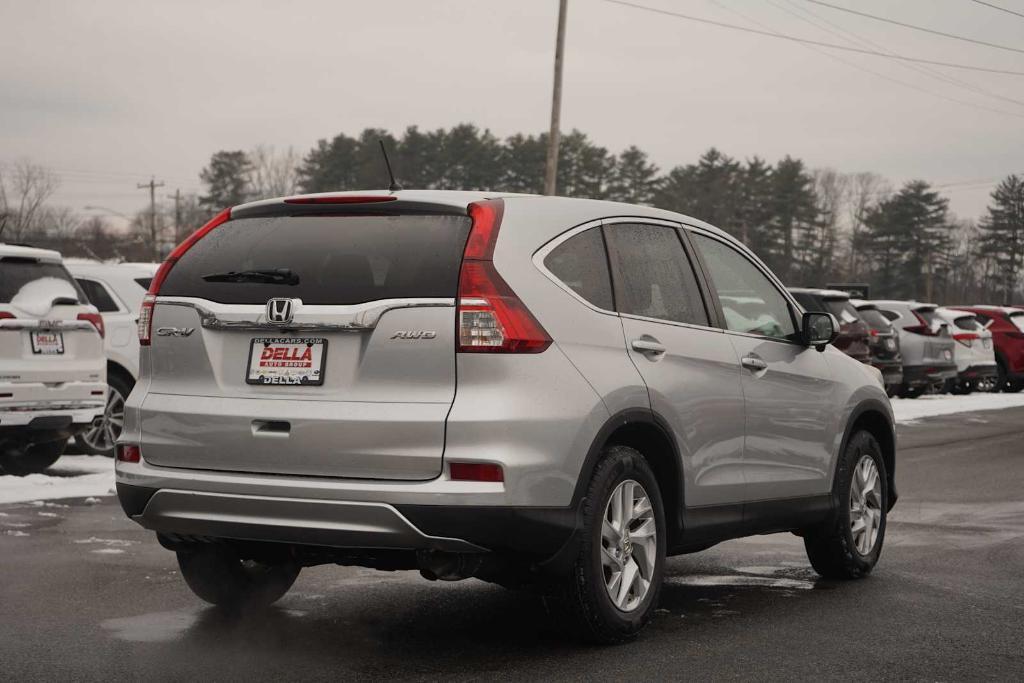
(859, 67)
(927, 71)
(916, 28)
(1001, 9)
(795, 39)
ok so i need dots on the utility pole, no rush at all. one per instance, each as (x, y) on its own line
(551, 167)
(152, 185)
(177, 215)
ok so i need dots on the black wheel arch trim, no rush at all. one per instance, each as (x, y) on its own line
(876, 406)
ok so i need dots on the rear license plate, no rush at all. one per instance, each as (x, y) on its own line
(48, 343)
(289, 360)
(890, 344)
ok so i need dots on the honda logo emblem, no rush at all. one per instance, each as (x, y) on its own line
(279, 311)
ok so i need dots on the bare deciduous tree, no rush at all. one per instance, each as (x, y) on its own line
(864, 191)
(23, 194)
(273, 174)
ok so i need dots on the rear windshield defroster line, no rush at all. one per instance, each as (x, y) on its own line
(338, 260)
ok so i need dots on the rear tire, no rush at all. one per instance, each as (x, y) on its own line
(585, 597)
(219, 576)
(99, 440)
(33, 459)
(849, 545)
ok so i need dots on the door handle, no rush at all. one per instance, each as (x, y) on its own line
(753, 363)
(647, 346)
(274, 429)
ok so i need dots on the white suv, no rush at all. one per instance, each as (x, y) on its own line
(52, 369)
(116, 290)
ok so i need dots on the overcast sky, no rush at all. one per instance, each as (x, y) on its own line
(107, 92)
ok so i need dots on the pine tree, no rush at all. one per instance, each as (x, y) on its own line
(226, 180)
(635, 179)
(1003, 234)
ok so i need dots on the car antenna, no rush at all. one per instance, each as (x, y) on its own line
(394, 186)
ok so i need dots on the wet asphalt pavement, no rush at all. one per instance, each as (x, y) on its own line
(87, 595)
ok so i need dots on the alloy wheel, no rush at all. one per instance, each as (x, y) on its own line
(865, 504)
(103, 433)
(629, 545)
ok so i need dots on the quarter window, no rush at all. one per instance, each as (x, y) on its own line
(653, 275)
(581, 264)
(750, 302)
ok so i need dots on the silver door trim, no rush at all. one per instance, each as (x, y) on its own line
(361, 316)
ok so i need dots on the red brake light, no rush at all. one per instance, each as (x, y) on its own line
(966, 338)
(341, 199)
(146, 312)
(873, 332)
(4, 315)
(476, 471)
(923, 329)
(97, 321)
(127, 452)
(491, 318)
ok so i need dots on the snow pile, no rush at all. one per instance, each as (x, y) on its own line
(909, 410)
(73, 476)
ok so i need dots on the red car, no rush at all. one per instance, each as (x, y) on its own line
(1006, 323)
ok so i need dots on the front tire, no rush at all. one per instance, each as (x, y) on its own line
(849, 545)
(615, 581)
(216, 574)
(32, 459)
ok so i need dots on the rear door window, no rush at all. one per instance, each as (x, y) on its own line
(752, 304)
(98, 296)
(581, 264)
(653, 275)
(331, 259)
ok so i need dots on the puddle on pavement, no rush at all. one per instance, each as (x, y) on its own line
(158, 627)
(108, 551)
(116, 542)
(783, 577)
(164, 627)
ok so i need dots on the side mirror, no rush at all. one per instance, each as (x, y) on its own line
(819, 329)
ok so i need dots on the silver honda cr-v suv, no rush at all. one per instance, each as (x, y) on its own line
(535, 391)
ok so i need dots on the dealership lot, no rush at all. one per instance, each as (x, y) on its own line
(88, 593)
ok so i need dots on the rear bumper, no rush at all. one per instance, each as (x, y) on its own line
(915, 375)
(31, 415)
(29, 401)
(892, 370)
(981, 371)
(539, 532)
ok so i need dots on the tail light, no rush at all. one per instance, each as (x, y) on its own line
(873, 332)
(4, 315)
(966, 338)
(148, 301)
(128, 452)
(97, 321)
(491, 318)
(476, 471)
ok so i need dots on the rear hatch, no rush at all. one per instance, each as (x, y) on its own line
(350, 372)
(883, 340)
(853, 332)
(939, 347)
(42, 339)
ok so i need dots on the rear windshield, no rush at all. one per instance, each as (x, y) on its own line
(967, 322)
(875, 319)
(23, 280)
(929, 316)
(810, 303)
(842, 309)
(1018, 320)
(333, 259)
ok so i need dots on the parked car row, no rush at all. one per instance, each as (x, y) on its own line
(921, 347)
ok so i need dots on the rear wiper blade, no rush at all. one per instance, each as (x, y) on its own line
(277, 276)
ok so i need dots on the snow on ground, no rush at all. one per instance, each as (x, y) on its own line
(73, 476)
(909, 410)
